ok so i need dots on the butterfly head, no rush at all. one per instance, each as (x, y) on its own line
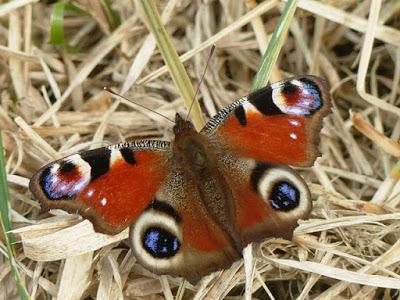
(182, 125)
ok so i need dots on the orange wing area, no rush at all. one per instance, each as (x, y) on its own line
(250, 209)
(200, 232)
(119, 196)
(111, 188)
(257, 220)
(206, 248)
(279, 138)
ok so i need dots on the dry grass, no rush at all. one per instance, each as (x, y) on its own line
(53, 104)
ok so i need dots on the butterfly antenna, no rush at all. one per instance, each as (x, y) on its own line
(201, 80)
(140, 105)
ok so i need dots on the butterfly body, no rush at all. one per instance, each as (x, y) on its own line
(194, 203)
(202, 167)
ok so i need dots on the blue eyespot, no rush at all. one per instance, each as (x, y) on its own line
(284, 196)
(52, 187)
(160, 243)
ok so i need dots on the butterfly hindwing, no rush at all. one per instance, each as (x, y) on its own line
(269, 199)
(110, 186)
(177, 235)
(280, 123)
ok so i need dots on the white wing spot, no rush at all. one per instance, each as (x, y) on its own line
(293, 136)
(90, 193)
(246, 104)
(296, 82)
(294, 123)
(249, 107)
(103, 202)
(115, 155)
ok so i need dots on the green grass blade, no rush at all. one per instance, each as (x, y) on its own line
(4, 196)
(57, 36)
(111, 14)
(274, 47)
(57, 24)
(171, 58)
(6, 225)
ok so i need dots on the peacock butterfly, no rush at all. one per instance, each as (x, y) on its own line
(194, 203)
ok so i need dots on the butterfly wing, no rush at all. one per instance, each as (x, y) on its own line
(269, 199)
(176, 234)
(280, 123)
(110, 186)
(255, 137)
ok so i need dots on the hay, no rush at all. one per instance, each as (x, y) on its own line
(349, 248)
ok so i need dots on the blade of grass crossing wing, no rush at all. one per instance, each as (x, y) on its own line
(5, 223)
(267, 63)
(171, 58)
(274, 47)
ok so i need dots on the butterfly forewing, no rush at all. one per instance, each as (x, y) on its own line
(279, 123)
(110, 186)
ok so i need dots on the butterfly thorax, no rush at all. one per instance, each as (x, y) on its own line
(192, 148)
(193, 152)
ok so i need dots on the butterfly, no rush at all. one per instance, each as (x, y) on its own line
(194, 203)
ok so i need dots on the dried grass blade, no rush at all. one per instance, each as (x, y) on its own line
(171, 58)
(16, 54)
(324, 225)
(249, 268)
(366, 53)
(389, 258)
(388, 145)
(71, 241)
(340, 274)
(37, 139)
(76, 277)
(15, 65)
(385, 33)
(6, 8)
